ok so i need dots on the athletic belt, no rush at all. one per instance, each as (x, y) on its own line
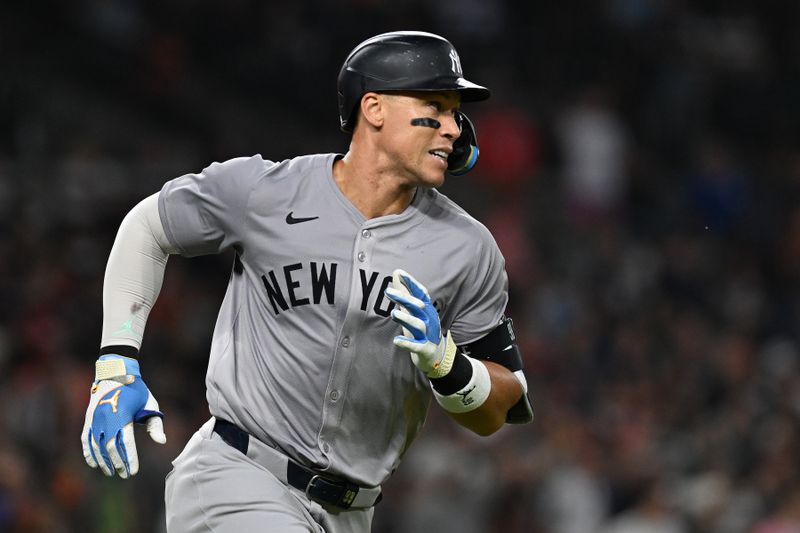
(321, 488)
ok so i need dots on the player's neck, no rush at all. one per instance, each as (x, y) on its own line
(370, 191)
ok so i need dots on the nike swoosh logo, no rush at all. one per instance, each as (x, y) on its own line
(292, 220)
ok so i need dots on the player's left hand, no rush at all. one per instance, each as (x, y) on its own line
(431, 352)
(114, 405)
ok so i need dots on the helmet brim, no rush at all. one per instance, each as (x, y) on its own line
(468, 91)
(472, 92)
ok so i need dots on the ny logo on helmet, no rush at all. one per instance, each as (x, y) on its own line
(455, 62)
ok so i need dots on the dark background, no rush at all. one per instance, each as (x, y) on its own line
(640, 170)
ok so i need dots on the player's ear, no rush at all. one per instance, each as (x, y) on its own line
(373, 109)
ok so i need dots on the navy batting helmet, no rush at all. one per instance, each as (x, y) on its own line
(409, 61)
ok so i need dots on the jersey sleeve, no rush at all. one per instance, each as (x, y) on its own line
(205, 213)
(484, 293)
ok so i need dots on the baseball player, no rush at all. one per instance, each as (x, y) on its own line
(357, 294)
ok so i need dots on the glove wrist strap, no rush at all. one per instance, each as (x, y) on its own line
(114, 366)
(446, 364)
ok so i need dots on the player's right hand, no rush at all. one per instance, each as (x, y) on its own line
(118, 398)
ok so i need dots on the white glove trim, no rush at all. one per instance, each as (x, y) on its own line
(100, 391)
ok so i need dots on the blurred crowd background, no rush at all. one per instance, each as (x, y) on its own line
(640, 170)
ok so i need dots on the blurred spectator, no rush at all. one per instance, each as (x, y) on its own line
(785, 519)
(719, 190)
(594, 144)
(652, 514)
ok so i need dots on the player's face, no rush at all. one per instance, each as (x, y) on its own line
(416, 147)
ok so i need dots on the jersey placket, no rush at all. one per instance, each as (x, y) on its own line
(347, 344)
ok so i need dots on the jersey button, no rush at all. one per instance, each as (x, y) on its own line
(346, 342)
(334, 395)
(362, 256)
(326, 447)
(366, 233)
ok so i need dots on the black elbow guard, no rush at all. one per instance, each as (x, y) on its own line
(500, 346)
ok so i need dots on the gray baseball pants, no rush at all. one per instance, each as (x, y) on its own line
(215, 488)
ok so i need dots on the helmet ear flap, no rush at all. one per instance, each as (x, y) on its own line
(465, 149)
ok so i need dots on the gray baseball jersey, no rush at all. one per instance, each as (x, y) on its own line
(302, 355)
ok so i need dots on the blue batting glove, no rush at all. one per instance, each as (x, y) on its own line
(118, 398)
(422, 336)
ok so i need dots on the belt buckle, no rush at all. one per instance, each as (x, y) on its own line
(346, 492)
(310, 485)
